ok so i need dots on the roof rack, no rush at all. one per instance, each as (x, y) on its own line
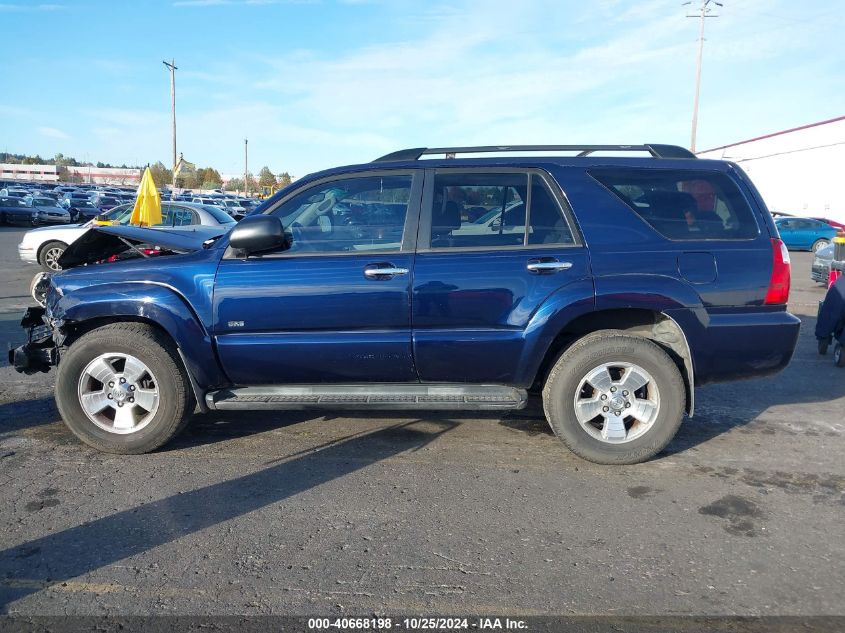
(656, 150)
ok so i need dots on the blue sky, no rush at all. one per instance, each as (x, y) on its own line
(314, 84)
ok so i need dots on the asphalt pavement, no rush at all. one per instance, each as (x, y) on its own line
(338, 513)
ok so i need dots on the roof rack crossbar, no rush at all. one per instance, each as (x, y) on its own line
(656, 150)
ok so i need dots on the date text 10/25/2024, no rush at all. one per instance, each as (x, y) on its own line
(416, 624)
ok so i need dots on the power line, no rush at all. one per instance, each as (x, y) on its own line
(790, 151)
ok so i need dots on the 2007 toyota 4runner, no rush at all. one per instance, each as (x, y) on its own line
(614, 284)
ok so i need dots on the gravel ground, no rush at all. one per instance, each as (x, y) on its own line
(329, 514)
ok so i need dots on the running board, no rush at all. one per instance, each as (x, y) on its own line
(372, 396)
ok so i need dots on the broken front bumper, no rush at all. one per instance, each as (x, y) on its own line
(40, 353)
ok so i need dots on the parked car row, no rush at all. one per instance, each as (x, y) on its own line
(83, 202)
(43, 203)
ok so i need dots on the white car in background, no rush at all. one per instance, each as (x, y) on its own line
(44, 246)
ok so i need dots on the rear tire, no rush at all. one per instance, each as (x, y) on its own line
(613, 398)
(824, 343)
(131, 359)
(818, 245)
(838, 355)
(49, 256)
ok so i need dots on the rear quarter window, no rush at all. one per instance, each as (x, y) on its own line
(683, 204)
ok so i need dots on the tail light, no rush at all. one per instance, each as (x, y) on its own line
(779, 283)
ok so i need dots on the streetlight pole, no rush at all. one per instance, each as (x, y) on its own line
(246, 163)
(172, 67)
(704, 12)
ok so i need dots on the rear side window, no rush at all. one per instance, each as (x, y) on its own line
(683, 204)
(489, 210)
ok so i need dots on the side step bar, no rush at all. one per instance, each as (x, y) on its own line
(372, 396)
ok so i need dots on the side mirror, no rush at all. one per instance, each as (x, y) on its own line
(257, 233)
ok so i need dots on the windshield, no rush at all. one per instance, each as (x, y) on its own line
(219, 214)
(43, 202)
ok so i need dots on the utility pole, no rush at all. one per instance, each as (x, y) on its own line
(172, 67)
(246, 171)
(703, 12)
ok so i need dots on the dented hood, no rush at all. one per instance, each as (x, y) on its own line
(101, 242)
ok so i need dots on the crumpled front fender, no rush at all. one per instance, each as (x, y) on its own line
(154, 302)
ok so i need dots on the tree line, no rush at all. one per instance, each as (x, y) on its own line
(209, 178)
(60, 160)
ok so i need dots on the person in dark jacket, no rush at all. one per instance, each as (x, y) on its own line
(831, 321)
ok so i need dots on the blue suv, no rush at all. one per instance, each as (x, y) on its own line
(612, 285)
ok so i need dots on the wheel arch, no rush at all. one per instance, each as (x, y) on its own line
(44, 246)
(85, 309)
(650, 324)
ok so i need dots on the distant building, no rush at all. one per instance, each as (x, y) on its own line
(50, 173)
(39, 173)
(798, 171)
(105, 175)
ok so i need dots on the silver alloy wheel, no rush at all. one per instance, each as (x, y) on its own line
(819, 245)
(118, 393)
(51, 257)
(617, 402)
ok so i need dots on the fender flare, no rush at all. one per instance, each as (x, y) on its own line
(563, 306)
(155, 303)
(682, 316)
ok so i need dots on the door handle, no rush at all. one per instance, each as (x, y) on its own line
(547, 266)
(377, 271)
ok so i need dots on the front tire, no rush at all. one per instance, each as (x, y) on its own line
(49, 256)
(613, 398)
(122, 389)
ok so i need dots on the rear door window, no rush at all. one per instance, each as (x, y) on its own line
(476, 209)
(683, 204)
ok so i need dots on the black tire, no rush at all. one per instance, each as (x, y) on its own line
(49, 253)
(156, 351)
(818, 244)
(3, 219)
(590, 352)
(824, 343)
(838, 355)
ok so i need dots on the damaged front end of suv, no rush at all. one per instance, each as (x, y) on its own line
(46, 326)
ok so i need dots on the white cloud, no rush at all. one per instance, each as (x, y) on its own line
(51, 132)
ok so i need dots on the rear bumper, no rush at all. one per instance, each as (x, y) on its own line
(40, 353)
(734, 346)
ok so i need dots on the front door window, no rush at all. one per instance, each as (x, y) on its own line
(364, 214)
